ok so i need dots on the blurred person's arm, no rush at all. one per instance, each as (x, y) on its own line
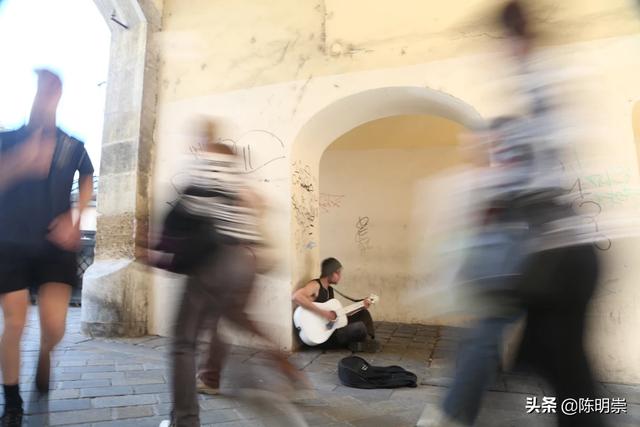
(85, 189)
(306, 296)
(85, 184)
(64, 231)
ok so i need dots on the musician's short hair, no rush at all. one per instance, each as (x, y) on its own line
(514, 20)
(330, 266)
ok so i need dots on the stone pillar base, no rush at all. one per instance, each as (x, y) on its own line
(114, 299)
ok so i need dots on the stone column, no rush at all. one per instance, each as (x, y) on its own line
(114, 295)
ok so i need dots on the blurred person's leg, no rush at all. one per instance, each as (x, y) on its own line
(14, 310)
(477, 364)
(56, 275)
(229, 285)
(191, 315)
(237, 283)
(213, 361)
(553, 341)
(14, 299)
(238, 280)
(53, 304)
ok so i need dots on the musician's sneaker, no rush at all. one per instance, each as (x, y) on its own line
(204, 388)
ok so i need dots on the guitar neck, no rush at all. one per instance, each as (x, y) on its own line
(353, 307)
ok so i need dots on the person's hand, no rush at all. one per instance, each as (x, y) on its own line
(146, 253)
(142, 251)
(329, 315)
(64, 233)
(366, 302)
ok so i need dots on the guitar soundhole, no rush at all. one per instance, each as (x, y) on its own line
(329, 325)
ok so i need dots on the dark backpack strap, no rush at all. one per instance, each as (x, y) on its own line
(344, 296)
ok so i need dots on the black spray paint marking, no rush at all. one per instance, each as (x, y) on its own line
(362, 234)
(589, 210)
(304, 201)
(330, 201)
(247, 149)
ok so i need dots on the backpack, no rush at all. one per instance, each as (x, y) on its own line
(188, 238)
(356, 372)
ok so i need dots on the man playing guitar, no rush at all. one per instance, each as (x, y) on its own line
(359, 334)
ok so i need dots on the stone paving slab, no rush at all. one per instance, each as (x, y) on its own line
(124, 382)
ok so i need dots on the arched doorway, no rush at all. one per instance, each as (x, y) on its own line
(327, 126)
(381, 207)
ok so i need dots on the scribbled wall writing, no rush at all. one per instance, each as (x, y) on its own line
(362, 237)
(257, 149)
(589, 209)
(304, 201)
(610, 188)
(593, 192)
(330, 201)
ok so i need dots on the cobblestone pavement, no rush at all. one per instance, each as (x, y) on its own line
(124, 382)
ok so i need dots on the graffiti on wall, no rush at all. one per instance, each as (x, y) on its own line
(593, 192)
(257, 149)
(304, 202)
(362, 237)
(329, 202)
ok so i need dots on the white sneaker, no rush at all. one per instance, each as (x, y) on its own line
(165, 423)
(433, 416)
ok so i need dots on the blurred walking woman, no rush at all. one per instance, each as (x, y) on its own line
(39, 236)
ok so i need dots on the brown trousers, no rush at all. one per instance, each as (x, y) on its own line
(221, 288)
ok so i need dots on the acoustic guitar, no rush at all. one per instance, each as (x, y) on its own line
(315, 329)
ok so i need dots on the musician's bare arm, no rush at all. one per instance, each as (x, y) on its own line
(305, 297)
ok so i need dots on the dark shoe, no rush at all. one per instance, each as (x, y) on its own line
(12, 418)
(43, 373)
(355, 347)
(369, 346)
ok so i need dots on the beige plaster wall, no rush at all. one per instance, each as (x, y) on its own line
(291, 77)
(212, 47)
(369, 184)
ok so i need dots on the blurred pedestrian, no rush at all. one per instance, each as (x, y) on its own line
(532, 258)
(39, 235)
(221, 279)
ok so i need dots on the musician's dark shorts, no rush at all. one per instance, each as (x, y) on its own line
(22, 268)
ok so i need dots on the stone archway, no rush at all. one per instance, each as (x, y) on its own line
(114, 298)
(324, 128)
